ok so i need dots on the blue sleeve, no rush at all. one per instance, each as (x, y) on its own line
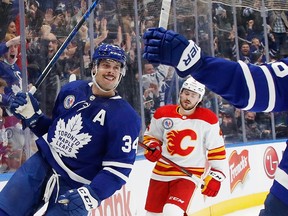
(246, 86)
(42, 126)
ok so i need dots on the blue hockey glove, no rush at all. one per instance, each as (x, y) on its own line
(170, 48)
(79, 201)
(25, 107)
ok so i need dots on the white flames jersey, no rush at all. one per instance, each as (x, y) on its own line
(189, 141)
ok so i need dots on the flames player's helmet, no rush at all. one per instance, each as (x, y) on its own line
(110, 52)
(195, 86)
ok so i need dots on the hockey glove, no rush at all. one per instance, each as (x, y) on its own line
(155, 153)
(26, 108)
(79, 201)
(170, 48)
(212, 183)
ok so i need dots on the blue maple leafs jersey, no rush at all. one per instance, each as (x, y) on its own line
(11, 73)
(91, 140)
(249, 87)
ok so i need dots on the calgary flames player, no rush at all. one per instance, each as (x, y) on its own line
(188, 135)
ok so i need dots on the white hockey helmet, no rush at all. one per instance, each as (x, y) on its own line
(195, 86)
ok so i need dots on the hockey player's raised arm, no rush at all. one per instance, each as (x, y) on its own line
(246, 86)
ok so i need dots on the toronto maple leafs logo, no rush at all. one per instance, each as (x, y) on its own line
(68, 139)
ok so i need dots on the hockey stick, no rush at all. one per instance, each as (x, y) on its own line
(72, 78)
(163, 22)
(48, 68)
(196, 180)
(164, 15)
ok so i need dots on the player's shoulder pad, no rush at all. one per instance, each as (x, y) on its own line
(125, 112)
(205, 114)
(75, 85)
(166, 111)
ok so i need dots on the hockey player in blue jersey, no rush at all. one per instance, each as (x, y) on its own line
(86, 151)
(246, 86)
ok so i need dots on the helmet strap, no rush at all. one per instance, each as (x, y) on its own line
(93, 75)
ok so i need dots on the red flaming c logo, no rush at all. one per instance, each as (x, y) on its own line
(174, 139)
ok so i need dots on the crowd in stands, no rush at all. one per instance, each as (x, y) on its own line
(48, 23)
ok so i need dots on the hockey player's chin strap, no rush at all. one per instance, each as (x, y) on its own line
(98, 86)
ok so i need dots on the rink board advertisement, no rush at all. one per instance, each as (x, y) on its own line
(250, 172)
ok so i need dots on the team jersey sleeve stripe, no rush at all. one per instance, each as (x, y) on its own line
(217, 150)
(163, 167)
(216, 157)
(148, 139)
(117, 173)
(271, 86)
(117, 164)
(281, 177)
(217, 154)
(169, 173)
(250, 85)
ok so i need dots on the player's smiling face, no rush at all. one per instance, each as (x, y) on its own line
(108, 73)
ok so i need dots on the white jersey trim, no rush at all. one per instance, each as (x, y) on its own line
(281, 177)
(117, 173)
(250, 85)
(70, 173)
(117, 164)
(271, 87)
